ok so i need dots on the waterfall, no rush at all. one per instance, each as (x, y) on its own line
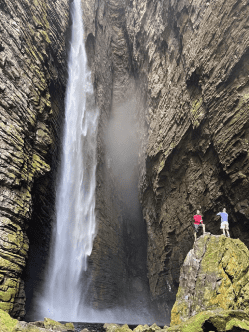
(74, 231)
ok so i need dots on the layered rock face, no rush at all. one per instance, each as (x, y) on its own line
(189, 62)
(118, 259)
(214, 276)
(32, 84)
(180, 68)
(198, 144)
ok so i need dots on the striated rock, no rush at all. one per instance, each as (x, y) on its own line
(197, 147)
(186, 66)
(189, 61)
(118, 260)
(215, 275)
(32, 68)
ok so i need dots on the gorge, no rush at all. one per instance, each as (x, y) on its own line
(173, 77)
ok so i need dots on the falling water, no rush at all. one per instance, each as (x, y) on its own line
(75, 199)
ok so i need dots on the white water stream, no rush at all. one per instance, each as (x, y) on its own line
(75, 197)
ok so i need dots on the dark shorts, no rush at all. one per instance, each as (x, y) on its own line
(197, 227)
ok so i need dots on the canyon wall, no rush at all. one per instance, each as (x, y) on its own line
(188, 61)
(32, 84)
(118, 260)
(179, 71)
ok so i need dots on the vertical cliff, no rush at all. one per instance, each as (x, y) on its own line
(189, 62)
(178, 71)
(32, 84)
(118, 260)
(198, 135)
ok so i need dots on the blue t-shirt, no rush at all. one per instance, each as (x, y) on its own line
(223, 215)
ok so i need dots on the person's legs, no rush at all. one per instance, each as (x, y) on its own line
(226, 228)
(203, 227)
(222, 226)
(196, 230)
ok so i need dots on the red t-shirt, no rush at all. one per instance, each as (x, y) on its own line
(198, 219)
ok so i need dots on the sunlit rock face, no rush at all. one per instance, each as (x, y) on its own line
(32, 83)
(189, 62)
(214, 276)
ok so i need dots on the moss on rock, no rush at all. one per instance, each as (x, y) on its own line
(54, 325)
(7, 323)
(214, 320)
(141, 328)
(214, 276)
(123, 328)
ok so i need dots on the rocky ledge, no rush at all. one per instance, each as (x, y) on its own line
(215, 275)
(214, 286)
(8, 324)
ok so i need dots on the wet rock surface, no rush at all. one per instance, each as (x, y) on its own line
(118, 260)
(186, 63)
(32, 68)
(189, 61)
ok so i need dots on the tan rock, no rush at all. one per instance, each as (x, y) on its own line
(214, 276)
(28, 31)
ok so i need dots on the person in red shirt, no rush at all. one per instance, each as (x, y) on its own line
(198, 223)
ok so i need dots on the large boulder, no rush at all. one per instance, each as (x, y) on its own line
(215, 320)
(214, 276)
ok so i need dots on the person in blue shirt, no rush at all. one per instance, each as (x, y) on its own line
(224, 222)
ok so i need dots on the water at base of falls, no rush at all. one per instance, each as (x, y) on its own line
(75, 196)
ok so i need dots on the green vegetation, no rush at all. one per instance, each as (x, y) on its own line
(237, 323)
(196, 112)
(6, 322)
(220, 320)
